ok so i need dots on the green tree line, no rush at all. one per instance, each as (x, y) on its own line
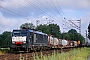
(5, 39)
(52, 29)
(89, 31)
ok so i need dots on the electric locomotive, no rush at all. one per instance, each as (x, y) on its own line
(27, 40)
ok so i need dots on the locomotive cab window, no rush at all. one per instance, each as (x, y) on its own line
(16, 33)
(19, 33)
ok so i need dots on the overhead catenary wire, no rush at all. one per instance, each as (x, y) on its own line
(39, 9)
(49, 4)
(10, 11)
(56, 9)
(46, 7)
(36, 7)
(22, 7)
(60, 14)
(26, 11)
(13, 11)
(30, 3)
(19, 5)
(60, 8)
(12, 14)
(63, 21)
(52, 7)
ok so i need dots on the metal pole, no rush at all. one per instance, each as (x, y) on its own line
(37, 22)
(75, 25)
(80, 26)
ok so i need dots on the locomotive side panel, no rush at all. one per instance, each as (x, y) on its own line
(30, 38)
(40, 40)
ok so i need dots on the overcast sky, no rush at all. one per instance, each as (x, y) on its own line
(13, 13)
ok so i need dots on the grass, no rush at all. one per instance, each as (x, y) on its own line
(4, 51)
(76, 54)
(1, 53)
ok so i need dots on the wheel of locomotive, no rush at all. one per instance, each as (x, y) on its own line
(29, 49)
(11, 50)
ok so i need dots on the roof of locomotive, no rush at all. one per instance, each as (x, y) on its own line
(31, 30)
(39, 32)
(20, 30)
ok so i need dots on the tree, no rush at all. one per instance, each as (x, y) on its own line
(73, 34)
(52, 29)
(72, 31)
(27, 26)
(89, 31)
(5, 39)
(44, 28)
(81, 38)
(76, 36)
(65, 36)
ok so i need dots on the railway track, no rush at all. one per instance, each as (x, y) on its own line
(13, 56)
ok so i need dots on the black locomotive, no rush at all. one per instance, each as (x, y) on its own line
(27, 40)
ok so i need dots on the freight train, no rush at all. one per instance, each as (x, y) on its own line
(27, 40)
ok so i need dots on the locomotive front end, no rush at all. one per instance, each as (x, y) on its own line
(18, 40)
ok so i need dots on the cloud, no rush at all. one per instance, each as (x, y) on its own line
(43, 6)
(4, 21)
(40, 10)
(75, 4)
(86, 18)
(83, 4)
(13, 3)
(8, 24)
(84, 23)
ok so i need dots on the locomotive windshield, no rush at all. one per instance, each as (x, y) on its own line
(19, 33)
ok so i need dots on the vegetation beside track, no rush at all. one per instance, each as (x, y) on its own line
(4, 50)
(67, 54)
(76, 54)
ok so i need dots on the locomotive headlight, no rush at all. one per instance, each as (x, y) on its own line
(24, 42)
